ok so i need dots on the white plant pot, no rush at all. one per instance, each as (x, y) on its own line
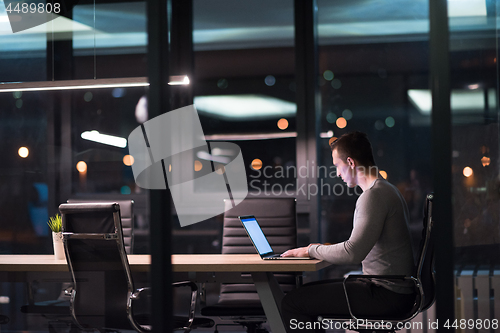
(57, 239)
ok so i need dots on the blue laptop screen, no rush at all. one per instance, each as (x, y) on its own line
(257, 236)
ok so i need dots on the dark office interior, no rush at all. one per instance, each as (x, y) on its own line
(366, 65)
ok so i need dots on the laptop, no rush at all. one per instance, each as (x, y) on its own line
(260, 241)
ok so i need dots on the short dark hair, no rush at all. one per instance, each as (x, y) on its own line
(356, 146)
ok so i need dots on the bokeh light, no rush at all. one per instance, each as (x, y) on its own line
(328, 75)
(81, 167)
(282, 124)
(468, 171)
(390, 122)
(485, 161)
(332, 139)
(341, 122)
(125, 190)
(256, 164)
(128, 160)
(379, 125)
(222, 83)
(23, 152)
(383, 174)
(198, 165)
(270, 80)
(331, 117)
(88, 96)
(347, 114)
(336, 84)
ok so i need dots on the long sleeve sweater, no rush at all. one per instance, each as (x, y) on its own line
(380, 239)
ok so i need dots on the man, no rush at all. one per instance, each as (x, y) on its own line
(380, 241)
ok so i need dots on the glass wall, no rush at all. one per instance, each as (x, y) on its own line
(49, 147)
(244, 92)
(475, 168)
(373, 77)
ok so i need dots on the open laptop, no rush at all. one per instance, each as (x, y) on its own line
(259, 240)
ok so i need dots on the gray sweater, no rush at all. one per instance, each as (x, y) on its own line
(380, 239)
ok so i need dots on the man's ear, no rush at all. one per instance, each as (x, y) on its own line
(351, 163)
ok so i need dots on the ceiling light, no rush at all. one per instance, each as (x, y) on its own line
(86, 84)
(461, 100)
(104, 139)
(240, 107)
(178, 80)
(466, 8)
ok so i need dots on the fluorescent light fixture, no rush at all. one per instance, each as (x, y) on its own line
(85, 84)
(464, 8)
(421, 99)
(104, 139)
(178, 80)
(462, 100)
(240, 107)
(246, 137)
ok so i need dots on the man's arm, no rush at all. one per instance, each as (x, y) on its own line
(369, 219)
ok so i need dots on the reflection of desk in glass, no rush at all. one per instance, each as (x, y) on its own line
(195, 267)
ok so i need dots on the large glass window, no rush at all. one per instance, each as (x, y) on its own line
(244, 92)
(371, 56)
(475, 152)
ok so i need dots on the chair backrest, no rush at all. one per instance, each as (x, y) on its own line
(102, 282)
(425, 266)
(127, 219)
(277, 217)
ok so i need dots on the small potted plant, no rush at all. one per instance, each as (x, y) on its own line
(55, 224)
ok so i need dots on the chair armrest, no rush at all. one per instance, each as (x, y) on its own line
(137, 294)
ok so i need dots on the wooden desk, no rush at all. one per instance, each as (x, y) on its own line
(180, 263)
(197, 267)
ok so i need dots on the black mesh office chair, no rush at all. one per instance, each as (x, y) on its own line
(239, 302)
(423, 278)
(58, 309)
(103, 292)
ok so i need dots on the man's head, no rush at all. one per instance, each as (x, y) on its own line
(350, 153)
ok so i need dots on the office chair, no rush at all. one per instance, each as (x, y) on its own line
(127, 217)
(58, 309)
(103, 292)
(423, 279)
(239, 302)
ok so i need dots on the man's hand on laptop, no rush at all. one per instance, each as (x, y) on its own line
(298, 252)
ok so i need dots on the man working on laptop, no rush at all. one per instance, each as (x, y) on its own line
(380, 241)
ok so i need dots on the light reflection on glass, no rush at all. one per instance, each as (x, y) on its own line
(468, 172)
(256, 164)
(341, 122)
(128, 160)
(23, 152)
(81, 167)
(282, 124)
